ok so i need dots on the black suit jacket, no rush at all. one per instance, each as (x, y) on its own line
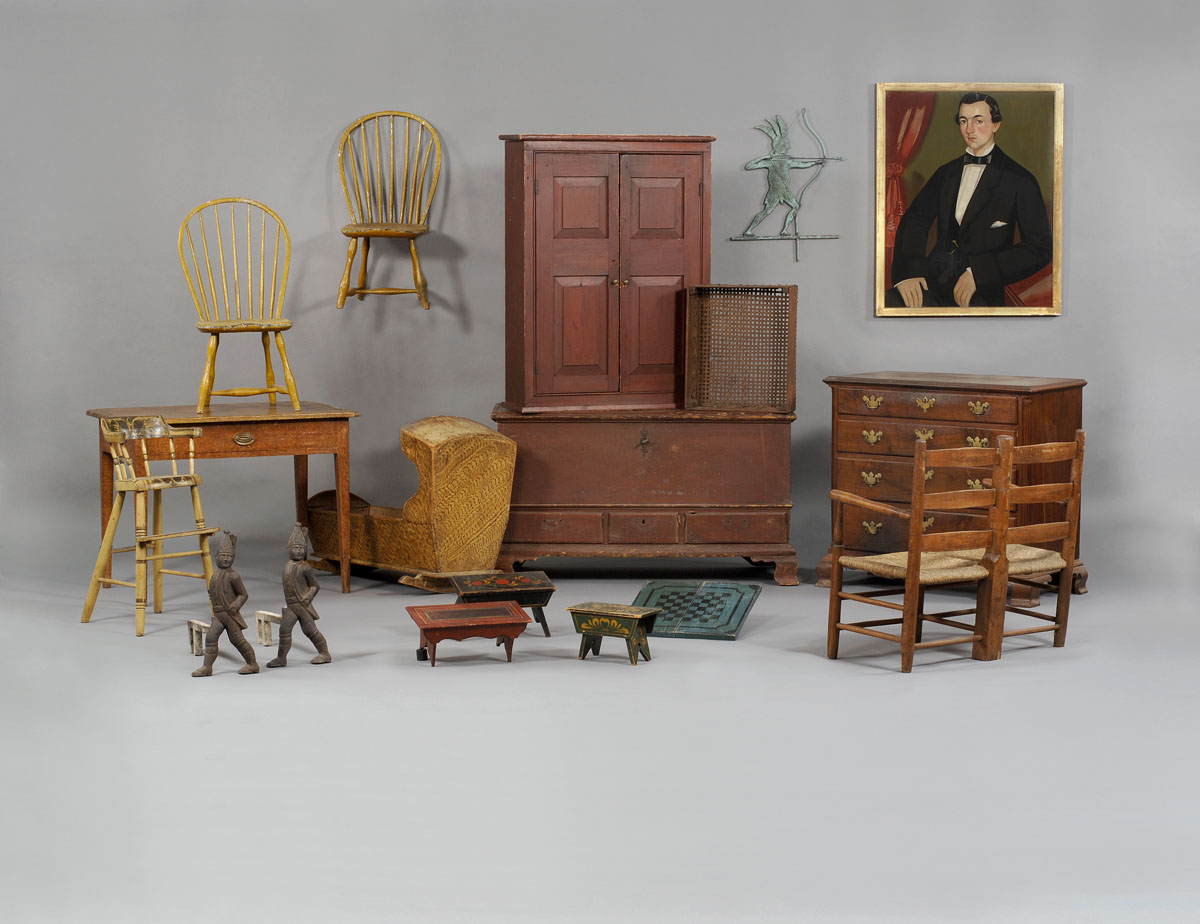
(1007, 200)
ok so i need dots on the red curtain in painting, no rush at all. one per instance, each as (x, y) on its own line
(906, 121)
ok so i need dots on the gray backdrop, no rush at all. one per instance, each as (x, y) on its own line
(120, 116)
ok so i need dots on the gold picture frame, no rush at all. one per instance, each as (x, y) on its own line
(989, 265)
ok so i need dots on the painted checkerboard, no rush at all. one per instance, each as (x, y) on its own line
(699, 609)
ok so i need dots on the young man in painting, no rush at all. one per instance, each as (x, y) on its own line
(980, 202)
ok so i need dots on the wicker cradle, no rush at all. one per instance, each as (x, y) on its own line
(455, 520)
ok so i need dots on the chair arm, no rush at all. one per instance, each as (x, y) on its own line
(854, 500)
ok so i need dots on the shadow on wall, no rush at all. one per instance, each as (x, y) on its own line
(810, 500)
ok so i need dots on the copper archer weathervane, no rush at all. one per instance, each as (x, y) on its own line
(778, 165)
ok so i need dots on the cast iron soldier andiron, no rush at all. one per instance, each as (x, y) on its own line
(299, 588)
(227, 593)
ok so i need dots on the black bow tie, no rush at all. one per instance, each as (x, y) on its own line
(972, 159)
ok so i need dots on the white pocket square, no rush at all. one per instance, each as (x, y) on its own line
(999, 224)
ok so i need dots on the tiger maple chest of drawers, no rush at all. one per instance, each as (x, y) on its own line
(878, 416)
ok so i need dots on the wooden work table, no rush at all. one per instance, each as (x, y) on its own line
(256, 429)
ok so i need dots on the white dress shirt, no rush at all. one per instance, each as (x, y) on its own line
(970, 179)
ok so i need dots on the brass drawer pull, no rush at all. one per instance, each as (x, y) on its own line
(975, 483)
(873, 402)
(923, 434)
(244, 439)
(978, 442)
(926, 523)
(928, 473)
(872, 436)
(872, 527)
(978, 408)
(925, 402)
(871, 478)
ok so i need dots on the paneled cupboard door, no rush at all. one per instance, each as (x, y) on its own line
(604, 235)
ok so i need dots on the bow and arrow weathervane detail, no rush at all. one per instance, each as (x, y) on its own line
(778, 165)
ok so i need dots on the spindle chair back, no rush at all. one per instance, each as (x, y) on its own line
(235, 255)
(390, 164)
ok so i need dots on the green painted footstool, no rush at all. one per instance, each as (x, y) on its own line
(595, 620)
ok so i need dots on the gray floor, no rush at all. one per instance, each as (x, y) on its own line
(724, 781)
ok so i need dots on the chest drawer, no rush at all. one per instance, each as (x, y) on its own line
(896, 437)
(891, 480)
(876, 532)
(927, 404)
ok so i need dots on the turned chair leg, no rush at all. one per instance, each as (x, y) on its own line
(205, 552)
(344, 285)
(156, 565)
(418, 276)
(835, 606)
(266, 343)
(102, 559)
(210, 370)
(920, 613)
(1062, 606)
(139, 547)
(287, 371)
(362, 270)
(908, 627)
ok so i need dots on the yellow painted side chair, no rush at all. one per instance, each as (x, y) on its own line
(390, 163)
(235, 255)
(126, 439)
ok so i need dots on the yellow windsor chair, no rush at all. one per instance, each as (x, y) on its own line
(235, 255)
(390, 163)
(132, 473)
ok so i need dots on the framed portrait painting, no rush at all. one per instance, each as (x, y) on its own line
(968, 199)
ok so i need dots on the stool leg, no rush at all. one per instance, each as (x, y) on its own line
(139, 546)
(585, 646)
(102, 559)
(156, 562)
(540, 616)
(631, 646)
(643, 645)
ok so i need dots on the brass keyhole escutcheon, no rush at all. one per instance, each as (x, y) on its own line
(644, 442)
(244, 439)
